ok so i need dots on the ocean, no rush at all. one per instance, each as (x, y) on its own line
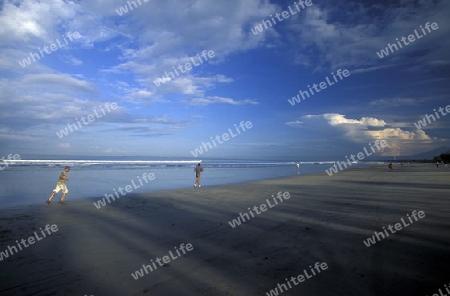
(31, 181)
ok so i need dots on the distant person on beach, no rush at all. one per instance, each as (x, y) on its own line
(198, 169)
(298, 168)
(390, 166)
(437, 164)
(60, 185)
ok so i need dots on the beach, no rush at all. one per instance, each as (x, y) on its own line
(325, 219)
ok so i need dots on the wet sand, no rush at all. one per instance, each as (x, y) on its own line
(325, 220)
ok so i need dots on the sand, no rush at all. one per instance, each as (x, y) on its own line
(325, 220)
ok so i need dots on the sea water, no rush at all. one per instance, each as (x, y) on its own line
(31, 181)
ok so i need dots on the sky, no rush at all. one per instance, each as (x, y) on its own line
(61, 61)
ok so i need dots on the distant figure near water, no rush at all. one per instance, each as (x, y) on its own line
(198, 169)
(390, 166)
(298, 168)
(60, 185)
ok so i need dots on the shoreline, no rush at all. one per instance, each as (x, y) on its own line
(162, 191)
(325, 219)
(112, 190)
(87, 182)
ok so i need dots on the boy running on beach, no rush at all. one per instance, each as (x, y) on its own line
(60, 185)
(198, 169)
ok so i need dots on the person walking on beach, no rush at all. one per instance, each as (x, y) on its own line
(198, 169)
(60, 185)
(298, 168)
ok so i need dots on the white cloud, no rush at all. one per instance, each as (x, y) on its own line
(339, 119)
(220, 100)
(33, 23)
(396, 102)
(162, 44)
(367, 130)
(56, 82)
(294, 123)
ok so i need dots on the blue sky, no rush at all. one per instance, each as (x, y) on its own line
(250, 78)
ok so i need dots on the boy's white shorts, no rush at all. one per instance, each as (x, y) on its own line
(62, 187)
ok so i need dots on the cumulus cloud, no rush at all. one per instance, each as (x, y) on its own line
(339, 119)
(367, 130)
(161, 44)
